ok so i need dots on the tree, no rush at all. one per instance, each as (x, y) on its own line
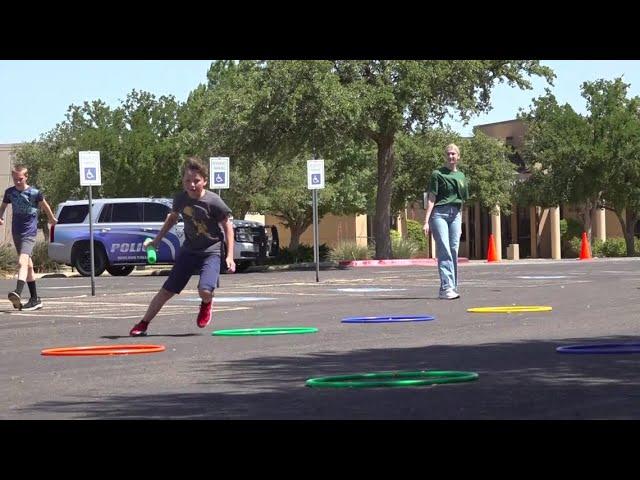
(139, 150)
(345, 193)
(616, 120)
(270, 117)
(392, 97)
(492, 176)
(565, 157)
(587, 161)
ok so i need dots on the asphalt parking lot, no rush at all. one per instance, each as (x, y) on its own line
(200, 376)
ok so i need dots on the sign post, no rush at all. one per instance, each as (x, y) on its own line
(315, 181)
(219, 178)
(90, 175)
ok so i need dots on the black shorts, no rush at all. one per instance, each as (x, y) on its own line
(207, 265)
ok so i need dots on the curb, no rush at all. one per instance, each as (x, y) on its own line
(395, 262)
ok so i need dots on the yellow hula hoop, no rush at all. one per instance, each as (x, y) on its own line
(510, 309)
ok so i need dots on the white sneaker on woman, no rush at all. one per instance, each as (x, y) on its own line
(449, 294)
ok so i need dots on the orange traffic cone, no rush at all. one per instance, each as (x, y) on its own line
(585, 248)
(492, 256)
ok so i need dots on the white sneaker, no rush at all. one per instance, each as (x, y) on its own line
(449, 294)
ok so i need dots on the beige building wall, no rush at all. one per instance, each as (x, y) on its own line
(612, 224)
(510, 131)
(332, 230)
(6, 162)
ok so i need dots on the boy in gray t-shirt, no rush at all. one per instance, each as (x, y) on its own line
(25, 201)
(206, 225)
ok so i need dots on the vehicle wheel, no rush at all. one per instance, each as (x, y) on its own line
(120, 270)
(82, 259)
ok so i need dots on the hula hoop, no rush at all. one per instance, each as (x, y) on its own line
(264, 331)
(389, 319)
(600, 348)
(391, 379)
(510, 309)
(102, 350)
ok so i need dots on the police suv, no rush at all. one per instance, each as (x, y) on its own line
(120, 226)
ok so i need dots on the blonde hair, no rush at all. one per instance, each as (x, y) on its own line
(20, 169)
(452, 146)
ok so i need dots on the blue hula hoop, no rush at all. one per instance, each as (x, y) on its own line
(388, 319)
(601, 348)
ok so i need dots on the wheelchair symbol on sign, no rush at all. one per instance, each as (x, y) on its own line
(315, 178)
(219, 178)
(90, 173)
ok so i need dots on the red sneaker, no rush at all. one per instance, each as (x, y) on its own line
(204, 316)
(139, 329)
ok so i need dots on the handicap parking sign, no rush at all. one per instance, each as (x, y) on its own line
(315, 174)
(219, 172)
(90, 168)
(219, 178)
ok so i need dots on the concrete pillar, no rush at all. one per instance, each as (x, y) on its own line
(464, 245)
(402, 224)
(361, 230)
(554, 218)
(496, 229)
(477, 231)
(599, 224)
(514, 223)
(432, 246)
(533, 230)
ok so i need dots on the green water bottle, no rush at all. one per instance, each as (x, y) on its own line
(151, 252)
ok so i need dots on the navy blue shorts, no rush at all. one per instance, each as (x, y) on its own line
(188, 264)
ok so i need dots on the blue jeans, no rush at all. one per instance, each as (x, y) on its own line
(446, 225)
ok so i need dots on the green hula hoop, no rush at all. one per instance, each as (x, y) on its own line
(264, 331)
(392, 379)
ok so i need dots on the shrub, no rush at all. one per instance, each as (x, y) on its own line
(403, 248)
(302, 254)
(41, 261)
(614, 247)
(350, 251)
(416, 234)
(40, 257)
(8, 259)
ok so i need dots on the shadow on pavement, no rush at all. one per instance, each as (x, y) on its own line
(520, 380)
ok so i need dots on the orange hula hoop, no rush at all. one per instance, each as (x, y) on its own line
(102, 350)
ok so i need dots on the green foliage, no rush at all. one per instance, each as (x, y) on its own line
(585, 160)
(403, 247)
(140, 150)
(574, 228)
(302, 254)
(611, 247)
(409, 96)
(8, 259)
(416, 234)
(350, 251)
(417, 156)
(41, 261)
(570, 230)
(490, 173)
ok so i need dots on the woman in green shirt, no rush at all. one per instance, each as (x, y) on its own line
(447, 192)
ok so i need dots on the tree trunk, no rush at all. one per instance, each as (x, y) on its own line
(386, 161)
(296, 232)
(629, 231)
